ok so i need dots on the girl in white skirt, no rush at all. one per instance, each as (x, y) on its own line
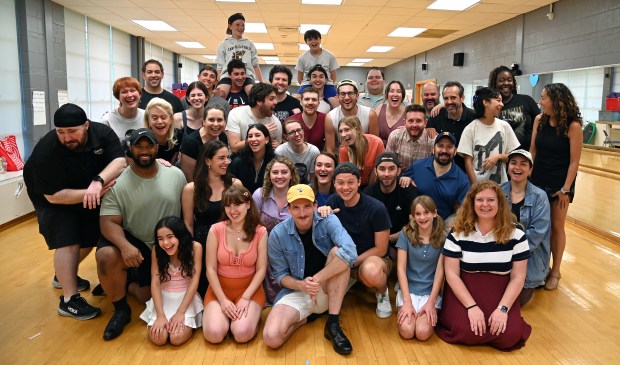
(175, 309)
(419, 267)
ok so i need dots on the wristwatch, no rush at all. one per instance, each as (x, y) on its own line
(563, 191)
(98, 178)
(503, 308)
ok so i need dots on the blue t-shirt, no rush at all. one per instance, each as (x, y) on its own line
(362, 220)
(421, 265)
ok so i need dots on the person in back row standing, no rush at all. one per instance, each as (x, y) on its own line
(153, 74)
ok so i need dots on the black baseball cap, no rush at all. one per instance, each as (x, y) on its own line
(140, 133)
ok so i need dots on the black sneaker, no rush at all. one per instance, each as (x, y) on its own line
(82, 284)
(78, 308)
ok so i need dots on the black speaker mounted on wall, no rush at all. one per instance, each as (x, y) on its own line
(424, 66)
(458, 59)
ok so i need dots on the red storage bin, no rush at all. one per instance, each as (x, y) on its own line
(613, 104)
(179, 93)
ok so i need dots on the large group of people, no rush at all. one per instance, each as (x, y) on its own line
(208, 215)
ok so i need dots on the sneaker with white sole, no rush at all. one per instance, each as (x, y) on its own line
(82, 284)
(78, 308)
(384, 307)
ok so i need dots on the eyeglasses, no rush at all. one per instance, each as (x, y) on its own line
(299, 131)
(350, 94)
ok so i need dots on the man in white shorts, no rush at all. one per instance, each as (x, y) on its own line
(310, 258)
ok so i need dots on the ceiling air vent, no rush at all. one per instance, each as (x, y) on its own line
(287, 29)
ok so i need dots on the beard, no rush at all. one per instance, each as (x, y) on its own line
(144, 164)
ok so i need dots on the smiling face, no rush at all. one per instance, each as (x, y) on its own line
(236, 213)
(324, 169)
(387, 174)
(266, 108)
(220, 161)
(237, 77)
(444, 151)
(214, 122)
(430, 96)
(302, 211)
(294, 133)
(348, 135)
(159, 121)
(197, 98)
(505, 83)
(375, 82)
(237, 28)
(153, 75)
(347, 97)
(486, 204)
(395, 95)
(280, 176)
(280, 81)
(347, 185)
(167, 241)
(144, 153)
(493, 106)
(309, 102)
(452, 100)
(129, 97)
(546, 104)
(519, 168)
(317, 79)
(314, 44)
(256, 140)
(423, 218)
(415, 122)
(209, 78)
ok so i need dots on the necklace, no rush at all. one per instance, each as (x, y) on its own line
(257, 170)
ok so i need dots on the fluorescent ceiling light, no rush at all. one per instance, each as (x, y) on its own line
(273, 62)
(321, 2)
(406, 32)
(270, 58)
(211, 57)
(190, 44)
(354, 64)
(379, 49)
(266, 46)
(236, 1)
(304, 47)
(255, 28)
(455, 5)
(322, 28)
(362, 60)
(156, 25)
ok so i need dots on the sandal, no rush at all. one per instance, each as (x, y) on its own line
(552, 281)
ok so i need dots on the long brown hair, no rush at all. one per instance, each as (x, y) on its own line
(565, 109)
(411, 228)
(357, 151)
(202, 189)
(268, 185)
(466, 217)
(240, 195)
(314, 182)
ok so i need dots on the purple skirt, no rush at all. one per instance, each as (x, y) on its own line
(487, 290)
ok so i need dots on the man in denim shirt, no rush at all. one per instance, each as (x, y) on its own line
(310, 258)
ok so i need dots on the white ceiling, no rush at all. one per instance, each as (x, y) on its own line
(356, 25)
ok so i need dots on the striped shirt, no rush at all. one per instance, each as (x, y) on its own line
(481, 253)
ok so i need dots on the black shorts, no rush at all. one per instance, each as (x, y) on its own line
(68, 226)
(142, 273)
(552, 190)
(227, 81)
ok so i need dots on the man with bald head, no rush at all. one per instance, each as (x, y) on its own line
(430, 97)
(375, 84)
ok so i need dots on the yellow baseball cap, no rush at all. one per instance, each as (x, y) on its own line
(300, 191)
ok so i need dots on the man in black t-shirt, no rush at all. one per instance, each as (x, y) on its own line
(387, 190)
(153, 74)
(281, 77)
(67, 174)
(367, 221)
(236, 96)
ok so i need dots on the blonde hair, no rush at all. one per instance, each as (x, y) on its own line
(466, 216)
(162, 104)
(357, 151)
(411, 230)
(268, 185)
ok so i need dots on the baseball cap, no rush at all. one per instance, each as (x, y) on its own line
(387, 157)
(142, 132)
(232, 18)
(523, 153)
(69, 115)
(445, 134)
(347, 82)
(300, 191)
(346, 168)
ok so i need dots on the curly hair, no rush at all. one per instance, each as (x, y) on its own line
(202, 189)
(357, 151)
(314, 181)
(565, 109)
(268, 185)
(240, 195)
(466, 216)
(494, 74)
(185, 250)
(410, 230)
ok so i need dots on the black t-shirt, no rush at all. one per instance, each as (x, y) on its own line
(236, 99)
(242, 167)
(520, 113)
(516, 209)
(177, 106)
(314, 259)
(192, 143)
(284, 108)
(167, 154)
(362, 220)
(398, 203)
(443, 123)
(53, 167)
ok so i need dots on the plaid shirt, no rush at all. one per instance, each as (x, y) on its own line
(409, 151)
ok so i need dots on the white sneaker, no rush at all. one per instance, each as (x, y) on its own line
(384, 307)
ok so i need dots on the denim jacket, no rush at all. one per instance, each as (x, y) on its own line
(535, 216)
(286, 251)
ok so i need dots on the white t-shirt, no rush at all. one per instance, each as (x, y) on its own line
(482, 141)
(363, 113)
(120, 125)
(324, 107)
(326, 59)
(241, 117)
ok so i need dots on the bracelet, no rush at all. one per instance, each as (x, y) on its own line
(471, 306)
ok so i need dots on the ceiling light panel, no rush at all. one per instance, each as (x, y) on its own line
(362, 60)
(380, 49)
(155, 25)
(190, 44)
(453, 5)
(264, 46)
(321, 2)
(406, 32)
(255, 28)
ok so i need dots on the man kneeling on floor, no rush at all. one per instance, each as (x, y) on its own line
(310, 258)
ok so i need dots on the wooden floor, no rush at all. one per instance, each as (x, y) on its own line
(577, 324)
